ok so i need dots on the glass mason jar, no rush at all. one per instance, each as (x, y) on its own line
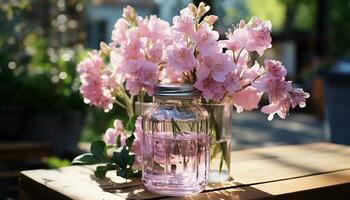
(175, 142)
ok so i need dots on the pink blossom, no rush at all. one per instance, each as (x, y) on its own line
(95, 86)
(276, 89)
(154, 52)
(298, 97)
(249, 74)
(141, 74)
(254, 36)
(167, 75)
(220, 65)
(137, 144)
(132, 49)
(211, 89)
(259, 35)
(154, 28)
(185, 23)
(232, 83)
(118, 33)
(236, 40)
(207, 40)
(273, 82)
(110, 137)
(181, 58)
(246, 99)
(280, 108)
(275, 68)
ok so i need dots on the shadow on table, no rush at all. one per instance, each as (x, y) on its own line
(238, 192)
(134, 189)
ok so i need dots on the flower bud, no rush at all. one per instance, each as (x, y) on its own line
(211, 19)
(202, 9)
(129, 14)
(106, 50)
(193, 9)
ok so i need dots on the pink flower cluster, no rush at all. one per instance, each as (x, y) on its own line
(253, 36)
(138, 49)
(280, 92)
(95, 82)
(146, 51)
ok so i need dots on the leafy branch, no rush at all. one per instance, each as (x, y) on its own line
(122, 158)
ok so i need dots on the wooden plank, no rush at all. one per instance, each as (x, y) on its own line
(285, 151)
(58, 186)
(23, 151)
(249, 169)
(334, 185)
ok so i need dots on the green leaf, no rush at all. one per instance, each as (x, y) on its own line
(120, 157)
(130, 125)
(130, 140)
(99, 149)
(126, 173)
(122, 173)
(101, 171)
(118, 142)
(131, 159)
(86, 159)
(215, 151)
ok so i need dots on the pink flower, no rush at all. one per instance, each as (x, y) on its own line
(154, 52)
(276, 89)
(95, 79)
(280, 108)
(181, 58)
(211, 89)
(185, 23)
(137, 144)
(118, 33)
(298, 97)
(275, 68)
(141, 74)
(273, 82)
(246, 99)
(259, 35)
(207, 40)
(110, 137)
(132, 49)
(154, 28)
(232, 83)
(236, 40)
(168, 76)
(220, 65)
(249, 74)
(254, 36)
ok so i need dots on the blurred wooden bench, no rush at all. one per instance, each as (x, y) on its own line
(311, 171)
(17, 156)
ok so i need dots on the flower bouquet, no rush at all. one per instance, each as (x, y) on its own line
(147, 51)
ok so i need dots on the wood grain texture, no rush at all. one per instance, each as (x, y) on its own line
(294, 171)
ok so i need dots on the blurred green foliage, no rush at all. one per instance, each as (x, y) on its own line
(339, 28)
(55, 163)
(303, 12)
(38, 62)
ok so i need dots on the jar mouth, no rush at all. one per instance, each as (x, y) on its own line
(185, 91)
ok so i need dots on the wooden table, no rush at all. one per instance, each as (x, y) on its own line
(311, 171)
